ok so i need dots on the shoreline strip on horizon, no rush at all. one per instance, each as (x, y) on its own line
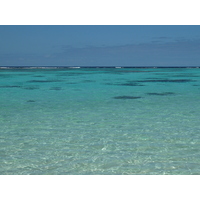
(92, 67)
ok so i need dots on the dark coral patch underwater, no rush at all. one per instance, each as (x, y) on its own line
(43, 81)
(88, 81)
(126, 97)
(129, 83)
(139, 82)
(161, 94)
(55, 88)
(39, 76)
(168, 80)
(10, 86)
(31, 101)
(31, 88)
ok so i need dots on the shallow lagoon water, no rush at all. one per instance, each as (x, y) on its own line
(100, 121)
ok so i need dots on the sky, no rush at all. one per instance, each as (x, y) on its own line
(99, 45)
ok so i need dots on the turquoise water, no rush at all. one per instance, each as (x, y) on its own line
(100, 121)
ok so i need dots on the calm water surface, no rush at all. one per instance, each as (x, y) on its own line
(100, 121)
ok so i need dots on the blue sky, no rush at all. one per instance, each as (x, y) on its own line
(133, 45)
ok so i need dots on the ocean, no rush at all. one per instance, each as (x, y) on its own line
(99, 121)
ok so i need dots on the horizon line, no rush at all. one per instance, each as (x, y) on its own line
(76, 66)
